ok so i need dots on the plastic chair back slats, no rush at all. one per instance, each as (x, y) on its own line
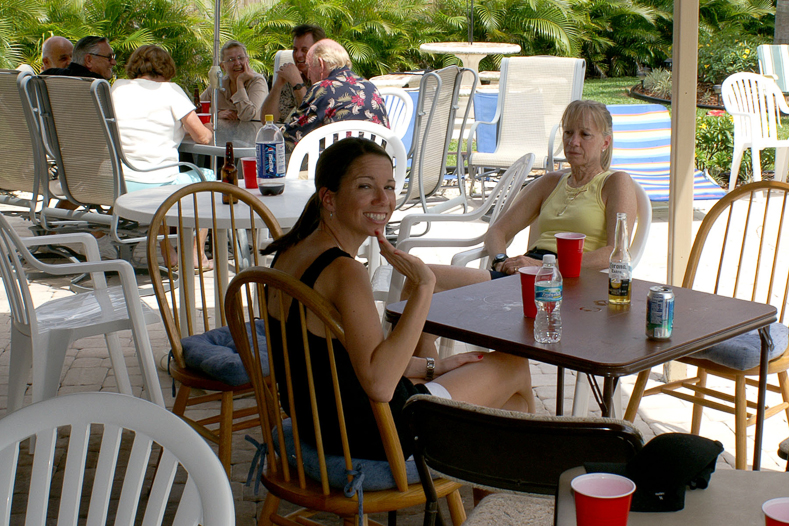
(91, 170)
(102, 419)
(105, 468)
(75, 469)
(399, 109)
(41, 477)
(738, 251)
(15, 282)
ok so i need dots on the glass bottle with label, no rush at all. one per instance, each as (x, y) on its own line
(619, 265)
(229, 173)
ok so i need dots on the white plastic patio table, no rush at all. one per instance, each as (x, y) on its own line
(732, 497)
(142, 205)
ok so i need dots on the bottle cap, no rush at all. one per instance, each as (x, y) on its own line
(269, 118)
(549, 259)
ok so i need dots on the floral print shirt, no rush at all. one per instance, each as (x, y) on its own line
(342, 96)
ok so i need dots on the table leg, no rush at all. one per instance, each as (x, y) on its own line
(559, 391)
(767, 346)
(607, 407)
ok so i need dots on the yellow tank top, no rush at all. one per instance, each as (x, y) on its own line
(570, 209)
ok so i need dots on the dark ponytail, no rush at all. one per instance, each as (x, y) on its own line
(332, 166)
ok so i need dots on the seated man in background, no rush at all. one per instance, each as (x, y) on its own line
(292, 81)
(337, 94)
(56, 53)
(93, 57)
(243, 91)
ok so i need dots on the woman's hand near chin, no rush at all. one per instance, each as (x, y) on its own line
(413, 268)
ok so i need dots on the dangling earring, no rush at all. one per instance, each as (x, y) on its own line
(331, 214)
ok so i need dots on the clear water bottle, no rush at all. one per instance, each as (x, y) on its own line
(548, 297)
(270, 151)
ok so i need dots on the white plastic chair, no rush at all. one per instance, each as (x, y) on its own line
(756, 103)
(313, 144)
(206, 498)
(773, 63)
(399, 109)
(40, 335)
(388, 284)
(533, 94)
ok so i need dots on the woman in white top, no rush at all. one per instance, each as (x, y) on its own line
(153, 115)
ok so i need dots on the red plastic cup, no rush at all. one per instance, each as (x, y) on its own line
(776, 512)
(249, 165)
(602, 499)
(205, 118)
(527, 290)
(570, 253)
(205, 106)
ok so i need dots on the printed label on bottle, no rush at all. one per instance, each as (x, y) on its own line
(547, 293)
(619, 287)
(619, 271)
(270, 160)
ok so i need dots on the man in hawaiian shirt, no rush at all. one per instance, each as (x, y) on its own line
(337, 94)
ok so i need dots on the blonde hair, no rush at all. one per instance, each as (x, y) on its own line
(333, 54)
(578, 110)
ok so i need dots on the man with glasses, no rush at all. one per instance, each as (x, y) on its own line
(243, 91)
(92, 57)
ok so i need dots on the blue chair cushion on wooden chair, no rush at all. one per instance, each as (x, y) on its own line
(377, 474)
(743, 352)
(215, 354)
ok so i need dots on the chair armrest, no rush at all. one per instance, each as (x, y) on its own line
(87, 241)
(411, 220)
(461, 259)
(194, 167)
(414, 242)
(552, 151)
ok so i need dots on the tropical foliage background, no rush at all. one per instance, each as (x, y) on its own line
(617, 37)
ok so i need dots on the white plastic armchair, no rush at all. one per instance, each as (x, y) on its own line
(533, 94)
(499, 200)
(281, 57)
(156, 433)
(756, 104)
(399, 109)
(40, 335)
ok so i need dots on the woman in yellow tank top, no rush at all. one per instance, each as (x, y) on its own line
(585, 198)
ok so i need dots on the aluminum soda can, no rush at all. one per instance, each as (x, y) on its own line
(660, 312)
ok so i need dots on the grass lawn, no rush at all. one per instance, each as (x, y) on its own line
(611, 91)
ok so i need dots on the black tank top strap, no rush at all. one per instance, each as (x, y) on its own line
(310, 275)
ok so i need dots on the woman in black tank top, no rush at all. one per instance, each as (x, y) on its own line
(354, 199)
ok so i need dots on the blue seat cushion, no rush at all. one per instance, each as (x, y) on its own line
(215, 354)
(743, 352)
(377, 474)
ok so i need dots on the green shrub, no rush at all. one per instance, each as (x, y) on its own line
(725, 55)
(715, 148)
(658, 82)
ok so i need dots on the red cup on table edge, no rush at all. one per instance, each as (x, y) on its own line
(527, 290)
(205, 118)
(776, 512)
(205, 106)
(570, 253)
(249, 166)
(602, 499)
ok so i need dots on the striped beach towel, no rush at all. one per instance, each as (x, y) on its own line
(642, 148)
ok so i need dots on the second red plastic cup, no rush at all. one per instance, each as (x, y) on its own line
(205, 118)
(570, 253)
(602, 499)
(527, 290)
(776, 512)
(205, 106)
(249, 165)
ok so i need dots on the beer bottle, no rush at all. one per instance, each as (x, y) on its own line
(197, 100)
(229, 173)
(619, 268)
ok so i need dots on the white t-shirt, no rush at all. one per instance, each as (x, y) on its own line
(149, 118)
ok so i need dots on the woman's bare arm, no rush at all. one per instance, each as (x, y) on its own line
(199, 132)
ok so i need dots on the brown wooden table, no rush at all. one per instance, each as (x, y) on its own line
(597, 339)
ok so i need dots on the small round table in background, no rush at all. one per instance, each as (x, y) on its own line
(470, 54)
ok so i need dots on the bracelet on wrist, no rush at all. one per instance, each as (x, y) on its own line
(430, 370)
